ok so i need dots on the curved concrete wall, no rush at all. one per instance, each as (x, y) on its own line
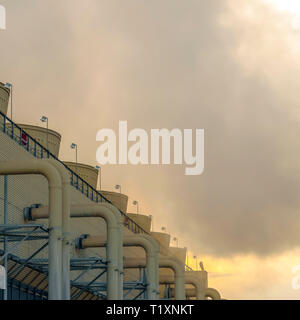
(86, 172)
(162, 238)
(142, 220)
(40, 135)
(118, 199)
(179, 253)
(4, 98)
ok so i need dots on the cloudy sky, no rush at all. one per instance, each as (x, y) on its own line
(231, 67)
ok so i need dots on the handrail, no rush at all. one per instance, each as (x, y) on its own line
(37, 150)
(25, 140)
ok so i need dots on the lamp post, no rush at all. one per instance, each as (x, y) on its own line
(152, 224)
(196, 258)
(10, 87)
(176, 240)
(74, 146)
(45, 119)
(118, 187)
(100, 176)
(136, 203)
(187, 257)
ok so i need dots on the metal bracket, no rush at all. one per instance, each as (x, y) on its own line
(27, 212)
(78, 241)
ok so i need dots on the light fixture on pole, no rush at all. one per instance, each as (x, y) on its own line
(118, 187)
(152, 225)
(45, 119)
(176, 240)
(201, 266)
(196, 258)
(74, 146)
(136, 203)
(100, 176)
(10, 87)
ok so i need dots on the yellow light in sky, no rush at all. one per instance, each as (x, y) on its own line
(291, 6)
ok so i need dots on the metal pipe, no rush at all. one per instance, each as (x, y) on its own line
(45, 168)
(176, 266)
(5, 221)
(213, 294)
(179, 274)
(199, 279)
(151, 260)
(157, 250)
(133, 241)
(209, 293)
(120, 220)
(189, 279)
(66, 228)
(113, 243)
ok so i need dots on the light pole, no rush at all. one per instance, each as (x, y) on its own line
(152, 224)
(10, 87)
(45, 119)
(176, 240)
(117, 186)
(74, 146)
(201, 266)
(195, 257)
(136, 203)
(100, 176)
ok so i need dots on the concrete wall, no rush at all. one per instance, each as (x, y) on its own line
(4, 98)
(142, 220)
(40, 135)
(162, 238)
(179, 253)
(86, 172)
(118, 199)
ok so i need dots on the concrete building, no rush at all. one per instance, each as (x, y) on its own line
(87, 235)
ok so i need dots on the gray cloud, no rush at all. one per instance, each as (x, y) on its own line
(172, 64)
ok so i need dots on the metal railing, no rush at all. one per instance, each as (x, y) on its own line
(26, 141)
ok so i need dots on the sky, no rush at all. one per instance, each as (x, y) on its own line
(230, 67)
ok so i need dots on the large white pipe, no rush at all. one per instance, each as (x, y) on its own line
(66, 228)
(189, 279)
(177, 267)
(45, 168)
(179, 274)
(151, 258)
(209, 293)
(120, 220)
(213, 294)
(133, 241)
(157, 251)
(113, 243)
